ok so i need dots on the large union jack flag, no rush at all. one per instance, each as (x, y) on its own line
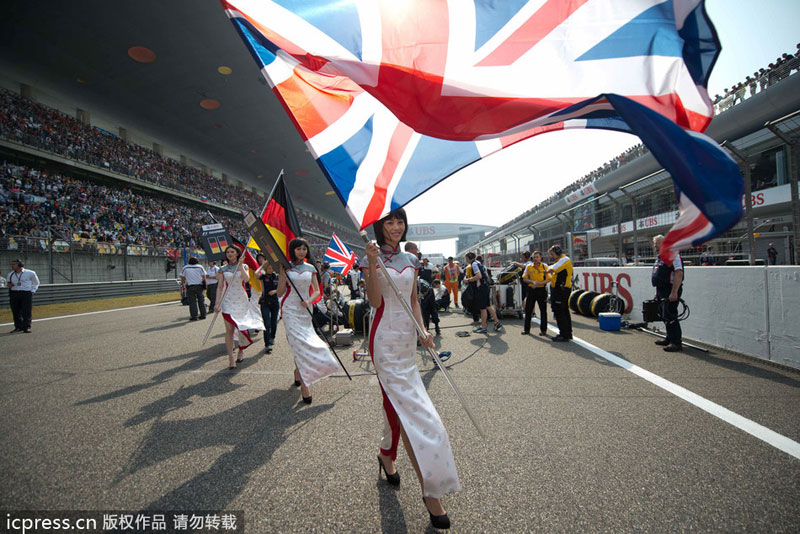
(340, 258)
(391, 96)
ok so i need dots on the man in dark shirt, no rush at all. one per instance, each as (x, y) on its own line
(668, 281)
(772, 252)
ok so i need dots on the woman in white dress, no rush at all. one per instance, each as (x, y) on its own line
(407, 409)
(235, 307)
(312, 356)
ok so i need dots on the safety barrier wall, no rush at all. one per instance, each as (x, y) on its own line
(55, 293)
(87, 267)
(752, 310)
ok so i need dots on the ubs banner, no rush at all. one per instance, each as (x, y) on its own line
(765, 326)
(215, 240)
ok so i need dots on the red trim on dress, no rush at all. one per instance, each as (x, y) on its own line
(391, 414)
(229, 319)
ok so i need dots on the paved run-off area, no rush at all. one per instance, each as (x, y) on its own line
(126, 411)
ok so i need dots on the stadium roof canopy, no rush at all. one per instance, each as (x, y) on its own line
(80, 50)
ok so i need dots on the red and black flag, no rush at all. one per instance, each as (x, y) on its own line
(280, 218)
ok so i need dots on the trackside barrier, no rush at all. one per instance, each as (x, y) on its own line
(752, 310)
(56, 293)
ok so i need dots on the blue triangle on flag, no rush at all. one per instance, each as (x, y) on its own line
(651, 33)
(491, 15)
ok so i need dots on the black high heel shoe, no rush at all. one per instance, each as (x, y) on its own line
(393, 479)
(438, 521)
(297, 383)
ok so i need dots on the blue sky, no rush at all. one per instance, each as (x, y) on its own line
(753, 33)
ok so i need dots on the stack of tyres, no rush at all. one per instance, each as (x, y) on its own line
(354, 313)
(600, 304)
(508, 274)
(573, 299)
(584, 303)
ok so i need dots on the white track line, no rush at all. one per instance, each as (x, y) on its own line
(96, 312)
(761, 432)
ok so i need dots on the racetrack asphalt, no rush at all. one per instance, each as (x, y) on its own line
(127, 411)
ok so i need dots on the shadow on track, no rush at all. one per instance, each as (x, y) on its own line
(254, 429)
(743, 367)
(392, 517)
(194, 361)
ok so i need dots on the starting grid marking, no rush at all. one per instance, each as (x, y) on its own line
(96, 312)
(779, 441)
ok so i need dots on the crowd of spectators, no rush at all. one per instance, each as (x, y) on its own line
(38, 203)
(34, 124)
(760, 80)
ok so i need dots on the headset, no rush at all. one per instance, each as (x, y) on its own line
(556, 250)
(18, 262)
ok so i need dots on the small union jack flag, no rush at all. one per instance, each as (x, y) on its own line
(339, 256)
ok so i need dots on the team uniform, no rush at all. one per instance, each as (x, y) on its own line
(451, 275)
(534, 295)
(662, 278)
(393, 347)
(211, 286)
(560, 289)
(24, 285)
(312, 355)
(195, 275)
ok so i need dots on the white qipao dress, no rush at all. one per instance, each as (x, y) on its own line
(312, 355)
(393, 340)
(235, 306)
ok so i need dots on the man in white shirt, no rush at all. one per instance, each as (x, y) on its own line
(192, 277)
(22, 284)
(211, 283)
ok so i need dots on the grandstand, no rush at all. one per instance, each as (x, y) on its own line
(125, 199)
(615, 210)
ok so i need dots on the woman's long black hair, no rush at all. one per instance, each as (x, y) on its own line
(377, 227)
(298, 242)
(238, 252)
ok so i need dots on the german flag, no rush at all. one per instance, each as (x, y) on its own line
(214, 244)
(280, 218)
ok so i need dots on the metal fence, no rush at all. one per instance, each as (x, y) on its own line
(59, 259)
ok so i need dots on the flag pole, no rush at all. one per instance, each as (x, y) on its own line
(227, 287)
(432, 353)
